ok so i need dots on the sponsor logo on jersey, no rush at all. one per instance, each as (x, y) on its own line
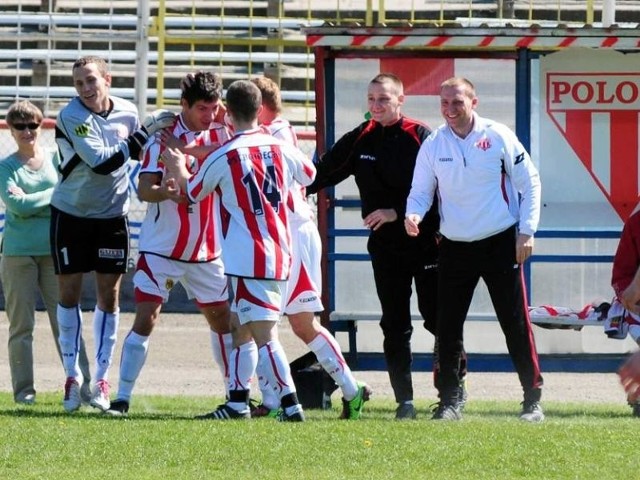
(309, 299)
(111, 253)
(369, 158)
(82, 130)
(598, 114)
(445, 159)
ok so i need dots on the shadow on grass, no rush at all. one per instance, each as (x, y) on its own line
(550, 413)
(34, 412)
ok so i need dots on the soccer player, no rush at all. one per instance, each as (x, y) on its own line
(179, 242)
(303, 298)
(625, 280)
(254, 173)
(96, 134)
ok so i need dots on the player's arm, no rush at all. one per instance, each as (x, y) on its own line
(195, 149)
(304, 171)
(88, 145)
(630, 377)
(423, 188)
(151, 189)
(336, 164)
(176, 163)
(526, 179)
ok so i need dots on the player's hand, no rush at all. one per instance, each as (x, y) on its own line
(524, 247)
(630, 298)
(168, 140)
(379, 217)
(171, 189)
(187, 81)
(411, 223)
(174, 159)
(629, 374)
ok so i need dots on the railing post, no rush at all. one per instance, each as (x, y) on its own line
(506, 9)
(41, 67)
(142, 58)
(608, 13)
(275, 9)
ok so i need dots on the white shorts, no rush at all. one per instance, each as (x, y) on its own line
(155, 277)
(257, 299)
(305, 280)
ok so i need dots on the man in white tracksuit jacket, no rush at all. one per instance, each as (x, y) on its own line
(489, 193)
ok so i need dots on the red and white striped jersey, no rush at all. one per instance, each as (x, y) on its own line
(253, 174)
(282, 129)
(186, 232)
(299, 210)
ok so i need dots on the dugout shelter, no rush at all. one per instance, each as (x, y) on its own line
(571, 93)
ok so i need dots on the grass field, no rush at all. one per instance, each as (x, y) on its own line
(160, 440)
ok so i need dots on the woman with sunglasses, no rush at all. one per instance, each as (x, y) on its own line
(27, 178)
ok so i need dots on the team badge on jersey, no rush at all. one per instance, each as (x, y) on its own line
(82, 130)
(483, 144)
(168, 285)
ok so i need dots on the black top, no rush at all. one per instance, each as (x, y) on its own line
(382, 160)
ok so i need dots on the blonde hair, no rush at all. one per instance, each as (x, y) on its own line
(270, 91)
(469, 87)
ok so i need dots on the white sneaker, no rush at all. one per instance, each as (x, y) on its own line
(100, 396)
(71, 401)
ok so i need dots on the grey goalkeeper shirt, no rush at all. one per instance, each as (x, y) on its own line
(94, 153)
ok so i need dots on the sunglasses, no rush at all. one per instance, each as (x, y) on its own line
(21, 126)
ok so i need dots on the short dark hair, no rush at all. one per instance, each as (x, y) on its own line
(244, 100)
(99, 61)
(23, 111)
(389, 77)
(206, 86)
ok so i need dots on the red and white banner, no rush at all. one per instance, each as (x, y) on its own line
(589, 138)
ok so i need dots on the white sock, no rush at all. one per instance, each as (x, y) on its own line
(329, 355)
(221, 346)
(275, 366)
(242, 368)
(70, 332)
(269, 397)
(134, 354)
(105, 331)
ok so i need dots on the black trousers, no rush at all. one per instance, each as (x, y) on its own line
(461, 265)
(395, 270)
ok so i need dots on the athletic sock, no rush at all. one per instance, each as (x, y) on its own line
(134, 354)
(328, 352)
(105, 332)
(276, 368)
(221, 346)
(270, 398)
(242, 366)
(70, 332)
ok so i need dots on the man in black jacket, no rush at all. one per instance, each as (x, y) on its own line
(381, 154)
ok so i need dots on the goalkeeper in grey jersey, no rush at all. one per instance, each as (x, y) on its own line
(96, 134)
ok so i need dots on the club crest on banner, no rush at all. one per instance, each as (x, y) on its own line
(597, 111)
